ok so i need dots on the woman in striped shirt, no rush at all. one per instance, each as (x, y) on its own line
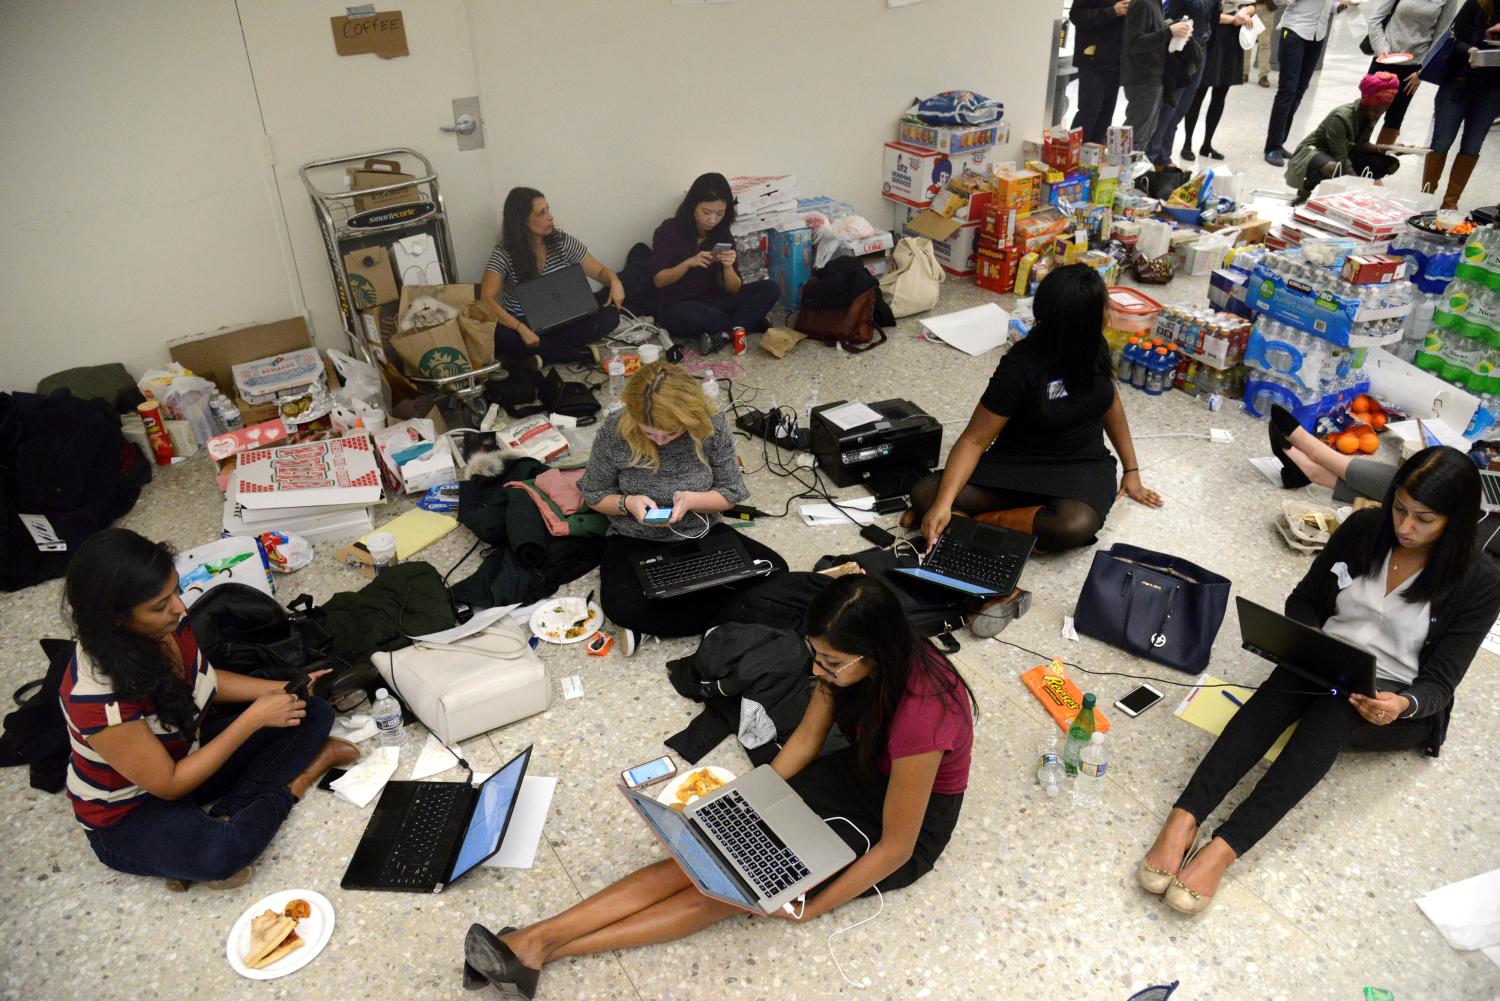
(146, 756)
(531, 245)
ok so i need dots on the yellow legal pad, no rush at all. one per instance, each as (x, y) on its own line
(1208, 709)
(415, 531)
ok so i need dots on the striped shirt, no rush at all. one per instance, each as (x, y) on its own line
(102, 796)
(563, 251)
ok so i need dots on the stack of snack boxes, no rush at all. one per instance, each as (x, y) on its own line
(940, 171)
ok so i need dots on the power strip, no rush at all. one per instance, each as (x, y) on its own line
(785, 434)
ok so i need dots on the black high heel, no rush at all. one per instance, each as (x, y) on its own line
(1186, 153)
(1210, 152)
(487, 960)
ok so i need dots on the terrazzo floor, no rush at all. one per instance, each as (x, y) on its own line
(1034, 898)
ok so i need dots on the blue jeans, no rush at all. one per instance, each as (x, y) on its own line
(1159, 148)
(1472, 104)
(1298, 61)
(746, 308)
(175, 839)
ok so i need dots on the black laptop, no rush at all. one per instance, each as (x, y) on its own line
(680, 567)
(1326, 661)
(975, 558)
(556, 298)
(424, 835)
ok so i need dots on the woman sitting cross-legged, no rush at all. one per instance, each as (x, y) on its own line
(1404, 582)
(901, 784)
(700, 296)
(146, 755)
(666, 450)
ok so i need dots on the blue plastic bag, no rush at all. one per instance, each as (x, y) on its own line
(958, 107)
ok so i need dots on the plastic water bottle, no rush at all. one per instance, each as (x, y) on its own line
(1079, 732)
(813, 397)
(1049, 768)
(615, 368)
(711, 390)
(387, 714)
(1093, 761)
(230, 414)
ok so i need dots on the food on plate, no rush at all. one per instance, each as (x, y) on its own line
(272, 937)
(698, 783)
(297, 909)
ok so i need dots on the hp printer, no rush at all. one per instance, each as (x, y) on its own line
(887, 454)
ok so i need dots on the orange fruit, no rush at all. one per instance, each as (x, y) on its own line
(1377, 420)
(1369, 444)
(1348, 443)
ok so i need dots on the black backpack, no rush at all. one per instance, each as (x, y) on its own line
(640, 288)
(35, 732)
(242, 629)
(838, 283)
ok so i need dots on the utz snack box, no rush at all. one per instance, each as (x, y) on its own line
(914, 175)
(960, 139)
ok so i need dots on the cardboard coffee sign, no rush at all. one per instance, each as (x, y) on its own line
(383, 33)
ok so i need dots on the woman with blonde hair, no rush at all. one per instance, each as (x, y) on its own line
(666, 450)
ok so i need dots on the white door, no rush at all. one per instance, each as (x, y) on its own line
(316, 104)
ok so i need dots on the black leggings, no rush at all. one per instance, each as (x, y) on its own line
(560, 345)
(1328, 724)
(1062, 523)
(1211, 123)
(625, 604)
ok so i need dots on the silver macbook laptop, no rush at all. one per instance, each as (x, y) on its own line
(751, 843)
(556, 298)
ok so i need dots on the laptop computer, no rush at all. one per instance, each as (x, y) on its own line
(1324, 660)
(424, 835)
(680, 567)
(975, 558)
(752, 843)
(556, 298)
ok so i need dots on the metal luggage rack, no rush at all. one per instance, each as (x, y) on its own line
(346, 228)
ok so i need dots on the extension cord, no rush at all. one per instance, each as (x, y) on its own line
(754, 422)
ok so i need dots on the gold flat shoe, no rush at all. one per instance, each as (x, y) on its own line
(1152, 879)
(1185, 900)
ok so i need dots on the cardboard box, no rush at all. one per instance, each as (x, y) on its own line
(1371, 269)
(377, 173)
(1017, 188)
(999, 225)
(213, 356)
(995, 270)
(1074, 187)
(953, 242)
(959, 139)
(790, 261)
(262, 380)
(1091, 154)
(1062, 147)
(1119, 140)
(379, 324)
(878, 265)
(914, 175)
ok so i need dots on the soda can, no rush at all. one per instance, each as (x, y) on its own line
(1215, 401)
(738, 339)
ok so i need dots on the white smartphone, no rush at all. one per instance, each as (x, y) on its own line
(1138, 701)
(649, 772)
(657, 516)
(722, 248)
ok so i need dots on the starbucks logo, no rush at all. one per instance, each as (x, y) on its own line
(364, 291)
(442, 361)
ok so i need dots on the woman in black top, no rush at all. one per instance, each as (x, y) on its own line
(1225, 69)
(1032, 457)
(1406, 583)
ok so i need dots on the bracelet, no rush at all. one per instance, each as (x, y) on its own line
(1132, 469)
(623, 512)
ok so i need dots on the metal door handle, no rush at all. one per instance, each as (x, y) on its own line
(464, 125)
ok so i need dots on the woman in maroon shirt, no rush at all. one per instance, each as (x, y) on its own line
(900, 785)
(700, 296)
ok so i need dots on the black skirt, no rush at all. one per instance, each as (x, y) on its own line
(836, 786)
(1226, 59)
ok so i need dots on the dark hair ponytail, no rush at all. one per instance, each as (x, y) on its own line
(859, 615)
(1447, 481)
(112, 572)
(515, 238)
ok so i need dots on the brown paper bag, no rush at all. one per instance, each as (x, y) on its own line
(370, 277)
(377, 173)
(457, 296)
(434, 353)
(778, 341)
(478, 326)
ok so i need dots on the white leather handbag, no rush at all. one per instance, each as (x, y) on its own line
(470, 685)
(914, 285)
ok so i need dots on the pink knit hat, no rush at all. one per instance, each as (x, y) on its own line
(1378, 89)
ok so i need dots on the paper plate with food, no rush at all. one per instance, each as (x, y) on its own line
(566, 620)
(692, 784)
(280, 934)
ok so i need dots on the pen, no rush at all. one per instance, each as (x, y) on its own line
(1231, 698)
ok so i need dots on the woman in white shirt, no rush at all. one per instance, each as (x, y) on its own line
(1411, 26)
(1404, 582)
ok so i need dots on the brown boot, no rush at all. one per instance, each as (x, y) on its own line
(1458, 179)
(1432, 171)
(1387, 136)
(1019, 519)
(336, 753)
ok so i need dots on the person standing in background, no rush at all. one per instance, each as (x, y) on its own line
(1204, 15)
(1261, 54)
(1226, 68)
(1467, 98)
(1096, 53)
(1303, 33)
(1143, 63)
(1404, 26)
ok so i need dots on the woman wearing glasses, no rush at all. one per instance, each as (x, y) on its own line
(900, 783)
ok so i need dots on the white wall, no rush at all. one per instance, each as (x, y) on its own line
(612, 108)
(134, 205)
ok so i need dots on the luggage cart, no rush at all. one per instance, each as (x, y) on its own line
(406, 207)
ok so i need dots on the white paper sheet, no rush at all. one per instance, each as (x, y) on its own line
(434, 759)
(362, 783)
(518, 850)
(1467, 913)
(973, 331)
(858, 509)
(851, 415)
(1492, 641)
(1270, 468)
(355, 728)
(482, 617)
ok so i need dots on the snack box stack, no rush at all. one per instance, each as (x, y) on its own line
(319, 490)
(1062, 148)
(293, 386)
